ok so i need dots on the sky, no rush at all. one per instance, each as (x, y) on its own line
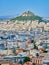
(16, 7)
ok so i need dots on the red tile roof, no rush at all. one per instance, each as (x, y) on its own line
(15, 64)
(28, 63)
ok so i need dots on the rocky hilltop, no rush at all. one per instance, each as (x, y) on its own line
(27, 13)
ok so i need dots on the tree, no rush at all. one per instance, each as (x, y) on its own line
(33, 41)
(37, 54)
(20, 62)
(33, 64)
(24, 50)
(35, 47)
(45, 51)
(26, 59)
(14, 51)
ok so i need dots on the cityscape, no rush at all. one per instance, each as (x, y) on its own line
(24, 39)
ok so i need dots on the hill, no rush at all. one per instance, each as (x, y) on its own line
(28, 16)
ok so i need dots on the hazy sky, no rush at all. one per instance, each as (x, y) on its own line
(16, 7)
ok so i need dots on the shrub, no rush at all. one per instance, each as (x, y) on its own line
(26, 59)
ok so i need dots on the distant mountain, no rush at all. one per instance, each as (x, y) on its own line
(5, 18)
(28, 15)
(2, 18)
